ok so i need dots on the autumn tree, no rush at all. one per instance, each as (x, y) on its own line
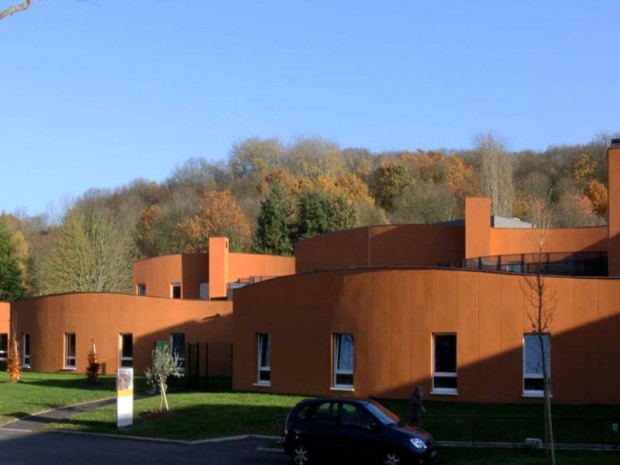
(496, 169)
(273, 229)
(217, 214)
(89, 253)
(11, 281)
(255, 157)
(387, 182)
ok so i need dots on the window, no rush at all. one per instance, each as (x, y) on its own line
(343, 361)
(126, 350)
(264, 359)
(4, 347)
(177, 347)
(175, 290)
(141, 289)
(204, 291)
(444, 364)
(26, 350)
(533, 352)
(70, 351)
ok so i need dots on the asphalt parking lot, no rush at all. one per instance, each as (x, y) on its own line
(36, 448)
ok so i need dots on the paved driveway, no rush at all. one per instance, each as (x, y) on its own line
(36, 448)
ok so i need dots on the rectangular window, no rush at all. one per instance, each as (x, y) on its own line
(26, 350)
(4, 347)
(204, 291)
(141, 289)
(264, 359)
(177, 347)
(175, 290)
(343, 361)
(126, 350)
(534, 353)
(444, 364)
(70, 351)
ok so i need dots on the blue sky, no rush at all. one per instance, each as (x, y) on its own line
(97, 93)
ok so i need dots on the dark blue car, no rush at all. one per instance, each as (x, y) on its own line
(350, 430)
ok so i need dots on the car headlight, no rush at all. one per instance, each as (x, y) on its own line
(418, 443)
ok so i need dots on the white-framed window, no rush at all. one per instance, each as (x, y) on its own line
(343, 361)
(70, 351)
(4, 347)
(175, 290)
(26, 350)
(177, 347)
(126, 350)
(533, 355)
(203, 291)
(264, 359)
(141, 289)
(445, 380)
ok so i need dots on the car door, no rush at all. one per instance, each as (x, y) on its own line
(360, 434)
(322, 435)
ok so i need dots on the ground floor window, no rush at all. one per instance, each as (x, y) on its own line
(343, 361)
(141, 289)
(444, 364)
(177, 347)
(70, 351)
(126, 350)
(4, 347)
(26, 350)
(264, 359)
(536, 351)
(175, 290)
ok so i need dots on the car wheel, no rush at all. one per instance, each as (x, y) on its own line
(300, 455)
(392, 458)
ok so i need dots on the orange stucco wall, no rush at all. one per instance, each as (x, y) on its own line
(243, 266)
(103, 317)
(393, 315)
(477, 227)
(505, 241)
(405, 245)
(613, 159)
(5, 317)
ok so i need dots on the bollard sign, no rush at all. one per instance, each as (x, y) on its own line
(124, 397)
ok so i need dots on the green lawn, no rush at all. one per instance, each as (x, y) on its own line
(197, 415)
(38, 392)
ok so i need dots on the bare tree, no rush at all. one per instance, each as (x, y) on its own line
(496, 169)
(542, 304)
(11, 10)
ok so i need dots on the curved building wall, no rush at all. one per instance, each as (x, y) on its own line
(393, 315)
(403, 245)
(102, 318)
(517, 241)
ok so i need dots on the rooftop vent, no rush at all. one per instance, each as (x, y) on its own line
(615, 142)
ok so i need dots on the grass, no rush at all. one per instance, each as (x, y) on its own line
(193, 416)
(37, 392)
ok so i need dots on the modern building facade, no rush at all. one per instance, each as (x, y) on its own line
(372, 311)
(378, 310)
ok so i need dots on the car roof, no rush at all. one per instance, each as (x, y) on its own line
(321, 400)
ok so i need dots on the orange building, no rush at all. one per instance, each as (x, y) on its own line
(183, 299)
(5, 317)
(369, 311)
(378, 310)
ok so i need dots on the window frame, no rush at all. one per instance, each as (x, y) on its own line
(263, 348)
(180, 353)
(536, 376)
(25, 350)
(4, 347)
(436, 375)
(70, 359)
(338, 372)
(124, 361)
(141, 289)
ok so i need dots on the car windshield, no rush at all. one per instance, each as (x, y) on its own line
(383, 414)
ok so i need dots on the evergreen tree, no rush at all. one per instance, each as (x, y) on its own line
(273, 223)
(319, 213)
(11, 287)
